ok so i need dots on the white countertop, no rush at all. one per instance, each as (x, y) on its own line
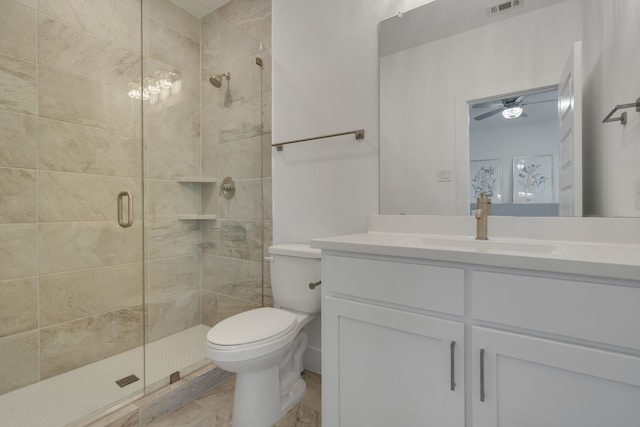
(599, 258)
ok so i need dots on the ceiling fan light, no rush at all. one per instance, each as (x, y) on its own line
(512, 113)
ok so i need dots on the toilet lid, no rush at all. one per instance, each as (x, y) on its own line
(260, 324)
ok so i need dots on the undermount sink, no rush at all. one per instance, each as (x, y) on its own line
(469, 243)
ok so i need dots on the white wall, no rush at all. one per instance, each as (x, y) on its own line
(325, 80)
(424, 106)
(611, 151)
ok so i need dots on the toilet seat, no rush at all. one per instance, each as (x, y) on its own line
(251, 329)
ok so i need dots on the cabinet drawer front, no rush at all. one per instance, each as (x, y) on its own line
(591, 311)
(419, 286)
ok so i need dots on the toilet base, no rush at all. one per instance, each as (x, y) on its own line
(262, 397)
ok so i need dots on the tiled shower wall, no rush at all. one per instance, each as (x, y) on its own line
(236, 142)
(70, 277)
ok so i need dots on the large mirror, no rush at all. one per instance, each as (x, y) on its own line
(449, 61)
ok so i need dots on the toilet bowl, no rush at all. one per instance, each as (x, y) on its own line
(264, 346)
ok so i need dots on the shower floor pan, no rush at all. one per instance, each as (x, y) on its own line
(64, 399)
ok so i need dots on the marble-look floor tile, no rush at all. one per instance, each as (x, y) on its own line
(16, 19)
(190, 415)
(73, 344)
(71, 296)
(300, 416)
(18, 361)
(67, 147)
(17, 195)
(19, 141)
(219, 400)
(17, 86)
(18, 306)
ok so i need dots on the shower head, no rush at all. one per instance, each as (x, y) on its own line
(216, 79)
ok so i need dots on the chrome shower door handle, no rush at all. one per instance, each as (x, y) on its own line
(129, 222)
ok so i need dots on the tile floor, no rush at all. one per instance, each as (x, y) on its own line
(214, 408)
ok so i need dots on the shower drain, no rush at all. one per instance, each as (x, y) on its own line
(123, 382)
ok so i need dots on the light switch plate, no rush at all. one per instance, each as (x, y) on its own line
(444, 175)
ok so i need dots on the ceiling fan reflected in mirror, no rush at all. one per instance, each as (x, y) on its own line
(511, 108)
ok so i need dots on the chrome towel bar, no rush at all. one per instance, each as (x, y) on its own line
(358, 133)
(623, 117)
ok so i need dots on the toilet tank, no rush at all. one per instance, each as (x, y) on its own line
(293, 267)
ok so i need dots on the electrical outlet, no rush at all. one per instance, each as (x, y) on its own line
(444, 175)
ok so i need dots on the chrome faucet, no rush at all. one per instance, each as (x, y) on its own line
(483, 210)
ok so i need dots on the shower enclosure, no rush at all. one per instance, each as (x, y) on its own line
(118, 251)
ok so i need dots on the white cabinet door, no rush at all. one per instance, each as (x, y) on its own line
(385, 367)
(532, 382)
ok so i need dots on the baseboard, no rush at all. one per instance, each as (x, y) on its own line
(312, 360)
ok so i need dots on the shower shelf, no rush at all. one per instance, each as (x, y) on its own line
(191, 217)
(197, 180)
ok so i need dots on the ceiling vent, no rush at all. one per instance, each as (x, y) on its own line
(503, 7)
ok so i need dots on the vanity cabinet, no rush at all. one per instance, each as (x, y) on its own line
(386, 363)
(520, 380)
(542, 349)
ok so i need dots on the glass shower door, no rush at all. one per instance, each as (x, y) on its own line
(71, 252)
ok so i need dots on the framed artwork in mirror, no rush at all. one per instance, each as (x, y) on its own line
(486, 175)
(533, 179)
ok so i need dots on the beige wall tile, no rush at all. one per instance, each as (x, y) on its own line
(174, 17)
(18, 140)
(239, 239)
(112, 20)
(17, 195)
(228, 306)
(78, 197)
(266, 112)
(73, 344)
(18, 306)
(172, 142)
(209, 304)
(17, 31)
(170, 277)
(68, 98)
(84, 245)
(18, 252)
(267, 71)
(253, 16)
(267, 199)
(241, 159)
(71, 296)
(171, 47)
(28, 3)
(233, 277)
(267, 151)
(247, 202)
(171, 238)
(66, 48)
(17, 85)
(72, 148)
(18, 361)
(240, 121)
(171, 315)
(168, 199)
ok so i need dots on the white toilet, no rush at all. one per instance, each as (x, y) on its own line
(264, 346)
